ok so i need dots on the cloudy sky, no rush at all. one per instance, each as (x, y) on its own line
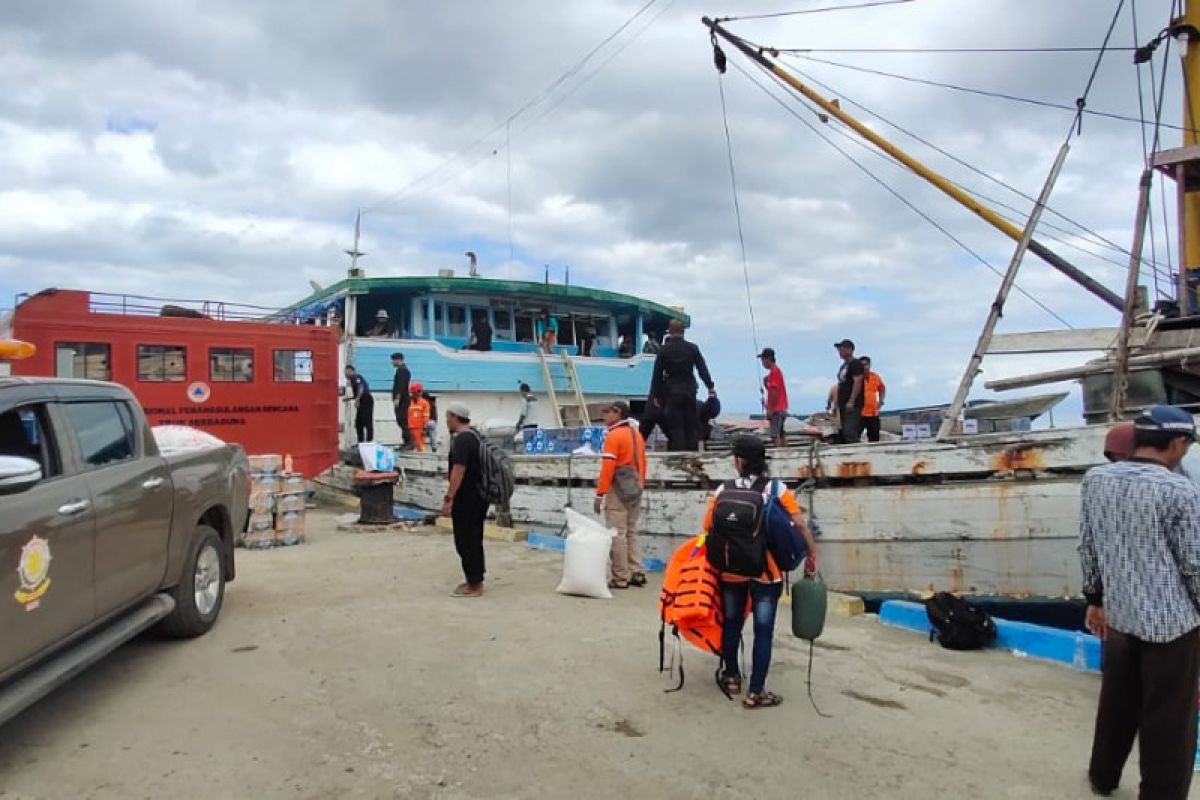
(220, 149)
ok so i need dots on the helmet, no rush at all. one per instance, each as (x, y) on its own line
(415, 388)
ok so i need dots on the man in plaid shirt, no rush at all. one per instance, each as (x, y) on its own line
(1139, 545)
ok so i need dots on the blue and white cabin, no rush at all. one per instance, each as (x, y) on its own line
(429, 320)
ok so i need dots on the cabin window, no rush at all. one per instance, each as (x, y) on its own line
(523, 326)
(566, 330)
(23, 434)
(456, 322)
(231, 365)
(293, 366)
(603, 327)
(90, 360)
(503, 329)
(439, 314)
(159, 363)
(104, 431)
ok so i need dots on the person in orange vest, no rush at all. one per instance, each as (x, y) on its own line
(619, 491)
(873, 394)
(418, 415)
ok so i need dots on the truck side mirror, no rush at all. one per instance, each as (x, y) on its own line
(18, 474)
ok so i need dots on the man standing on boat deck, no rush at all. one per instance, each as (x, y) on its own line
(400, 396)
(464, 502)
(775, 401)
(1139, 546)
(619, 492)
(850, 392)
(673, 387)
(364, 404)
(874, 391)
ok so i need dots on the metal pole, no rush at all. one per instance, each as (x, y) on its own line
(1120, 383)
(973, 204)
(997, 310)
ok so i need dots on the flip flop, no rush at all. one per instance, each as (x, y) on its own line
(761, 700)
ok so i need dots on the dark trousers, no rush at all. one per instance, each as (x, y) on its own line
(871, 425)
(764, 600)
(364, 422)
(468, 514)
(852, 424)
(1147, 690)
(683, 424)
(402, 420)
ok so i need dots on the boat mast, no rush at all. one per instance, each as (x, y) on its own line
(985, 213)
(1187, 28)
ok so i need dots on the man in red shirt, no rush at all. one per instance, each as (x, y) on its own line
(776, 400)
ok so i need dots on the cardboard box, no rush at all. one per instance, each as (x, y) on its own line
(269, 483)
(261, 502)
(266, 463)
(260, 532)
(292, 482)
(289, 501)
(290, 527)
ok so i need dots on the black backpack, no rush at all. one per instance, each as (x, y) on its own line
(957, 624)
(737, 542)
(496, 480)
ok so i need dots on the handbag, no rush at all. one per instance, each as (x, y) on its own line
(627, 480)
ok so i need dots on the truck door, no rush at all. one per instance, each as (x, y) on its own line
(132, 500)
(47, 539)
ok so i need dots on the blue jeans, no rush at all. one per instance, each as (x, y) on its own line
(764, 601)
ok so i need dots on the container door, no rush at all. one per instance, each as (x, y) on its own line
(132, 497)
(47, 540)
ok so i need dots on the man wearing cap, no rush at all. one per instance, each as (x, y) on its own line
(383, 325)
(464, 502)
(364, 404)
(400, 396)
(619, 492)
(1139, 546)
(673, 387)
(850, 392)
(418, 416)
(775, 400)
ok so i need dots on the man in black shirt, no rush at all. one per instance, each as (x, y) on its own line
(464, 502)
(401, 398)
(364, 402)
(481, 334)
(673, 388)
(850, 393)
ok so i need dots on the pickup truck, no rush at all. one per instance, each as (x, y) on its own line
(101, 535)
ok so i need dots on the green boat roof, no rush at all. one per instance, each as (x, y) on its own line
(490, 287)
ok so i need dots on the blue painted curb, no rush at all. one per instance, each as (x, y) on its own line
(409, 514)
(549, 541)
(1075, 648)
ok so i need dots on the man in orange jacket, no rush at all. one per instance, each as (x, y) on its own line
(619, 491)
(418, 415)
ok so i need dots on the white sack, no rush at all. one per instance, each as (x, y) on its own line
(585, 561)
(174, 438)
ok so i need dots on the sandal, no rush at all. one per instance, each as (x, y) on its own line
(763, 699)
(615, 584)
(637, 579)
(731, 683)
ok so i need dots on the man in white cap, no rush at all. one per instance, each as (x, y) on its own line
(464, 502)
(383, 325)
(1139, 546)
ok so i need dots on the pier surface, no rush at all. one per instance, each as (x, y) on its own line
(343, 668)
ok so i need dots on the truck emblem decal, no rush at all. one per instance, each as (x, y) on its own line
(198, 392)
(33, 569)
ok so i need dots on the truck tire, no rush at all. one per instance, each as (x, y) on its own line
(201, 589)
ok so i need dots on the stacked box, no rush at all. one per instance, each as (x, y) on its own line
(557, 441)
(289, 527)
(260, 533)
(268, 464)
(289, 501)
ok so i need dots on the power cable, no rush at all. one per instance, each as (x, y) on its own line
(925, 50)
(776, 14)
(543, 95)
(981, 92)
(942, 229)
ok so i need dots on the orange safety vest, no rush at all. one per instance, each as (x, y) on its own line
(690, 602)
(418, 413)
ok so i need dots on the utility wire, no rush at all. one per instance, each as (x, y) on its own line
(542, 96)
(815, 10)
(981, 92)
(1081, 103)
(963, 245)
(1095, 238)
(737, 211)
(923, 50)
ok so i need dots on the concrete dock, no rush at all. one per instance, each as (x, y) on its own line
(343, 668)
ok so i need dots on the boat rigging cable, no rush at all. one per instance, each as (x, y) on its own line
(773, 15)
(833, 109)
(895, 193)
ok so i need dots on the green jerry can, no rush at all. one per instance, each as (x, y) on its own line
(808, 607)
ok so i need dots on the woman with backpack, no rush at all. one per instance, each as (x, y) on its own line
(736, 545)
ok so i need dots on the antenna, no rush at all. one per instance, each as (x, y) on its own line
(567, 274)
(474, 263)
(547, 274)
(354, 253)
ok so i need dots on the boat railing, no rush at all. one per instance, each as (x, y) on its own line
(146, 306)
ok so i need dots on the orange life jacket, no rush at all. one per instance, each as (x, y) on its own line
(690, 602)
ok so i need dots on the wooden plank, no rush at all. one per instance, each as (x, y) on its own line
(1078, 340)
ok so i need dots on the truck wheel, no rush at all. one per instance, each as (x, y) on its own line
(201, 588)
